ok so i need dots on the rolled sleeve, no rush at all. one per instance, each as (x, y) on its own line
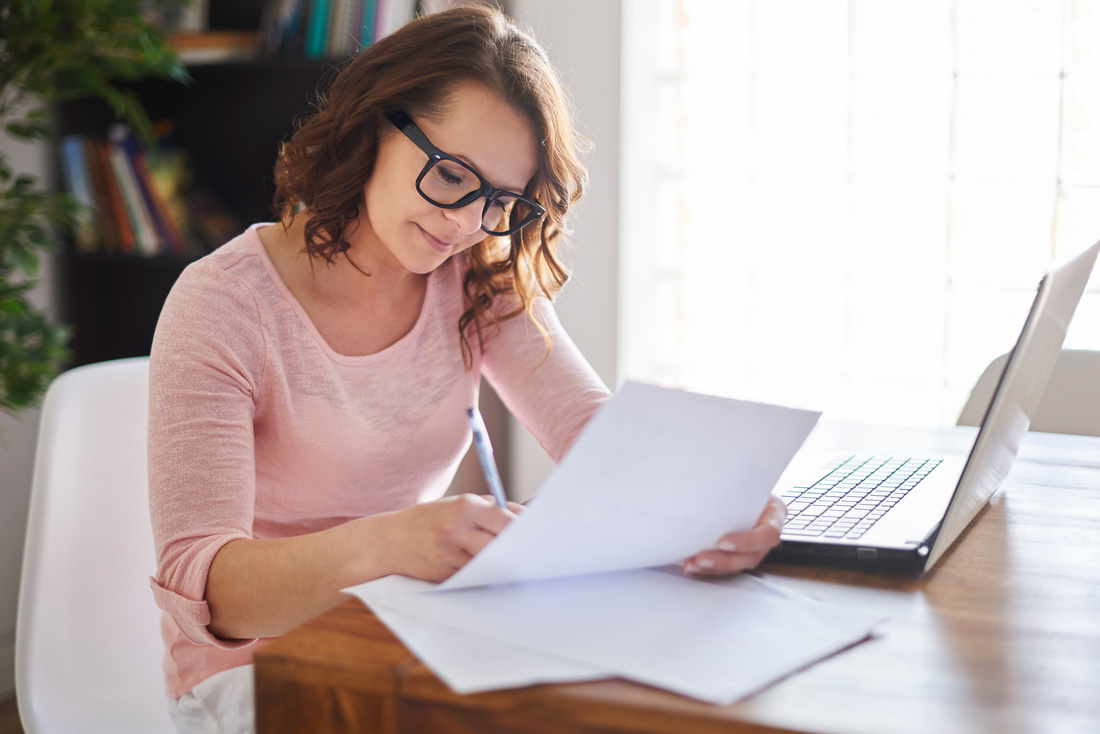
(192, 617)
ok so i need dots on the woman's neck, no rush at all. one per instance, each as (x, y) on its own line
(356, 275)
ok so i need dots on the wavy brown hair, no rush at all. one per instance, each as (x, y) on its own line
(322, 170)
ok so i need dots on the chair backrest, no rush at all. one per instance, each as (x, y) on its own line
(88, 647)
(1070, 404)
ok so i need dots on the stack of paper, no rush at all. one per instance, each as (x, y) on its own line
(566, 592)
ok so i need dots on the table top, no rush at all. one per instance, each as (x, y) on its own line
(1003, 635)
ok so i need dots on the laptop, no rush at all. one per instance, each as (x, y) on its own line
(868, 511)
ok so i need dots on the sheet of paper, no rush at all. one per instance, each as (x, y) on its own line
(657, 475)
(472, 663)
(717, 642)
(465, 661)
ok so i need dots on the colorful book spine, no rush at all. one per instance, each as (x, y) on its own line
(105, 225)
(381, 20)
(337, 28)
(317, 29)
(170, 175)
(296, 42)
(79, 186)
(112, 191)
(168, 231)
(146, 239)
(366, 28)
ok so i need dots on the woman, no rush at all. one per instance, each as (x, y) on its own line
(310, 379)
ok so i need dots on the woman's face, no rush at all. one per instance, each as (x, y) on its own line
(398, 227)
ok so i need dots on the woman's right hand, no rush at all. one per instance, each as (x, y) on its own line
(433, 540)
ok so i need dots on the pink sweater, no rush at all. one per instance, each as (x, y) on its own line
(258, 429)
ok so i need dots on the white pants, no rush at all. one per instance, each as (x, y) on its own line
(221, 704)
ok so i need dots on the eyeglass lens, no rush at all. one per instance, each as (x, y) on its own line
(447, 182)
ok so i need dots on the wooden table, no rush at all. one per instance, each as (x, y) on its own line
(1002, 636)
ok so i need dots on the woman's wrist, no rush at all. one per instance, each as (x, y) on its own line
(372, 548)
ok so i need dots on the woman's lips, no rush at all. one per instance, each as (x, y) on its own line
(436, 243)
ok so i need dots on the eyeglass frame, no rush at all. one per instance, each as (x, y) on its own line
(403, 122)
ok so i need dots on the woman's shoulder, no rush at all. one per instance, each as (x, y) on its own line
(236, 269)
(238, 258)
(216, 305)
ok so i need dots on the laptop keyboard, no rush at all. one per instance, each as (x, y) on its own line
(852, 496)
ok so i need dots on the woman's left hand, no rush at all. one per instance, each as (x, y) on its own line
(739, 551)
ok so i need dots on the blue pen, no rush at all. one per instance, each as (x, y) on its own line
(485, 454)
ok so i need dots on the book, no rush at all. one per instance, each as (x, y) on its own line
(366, 24)
(338, 28)
(168, 231)
(115, 208)
(171, 176)
(105, 226)
(146, 239)
(317, 29)
(78, 184)
(295, 40)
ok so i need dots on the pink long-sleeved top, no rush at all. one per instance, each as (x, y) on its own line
(258, 429)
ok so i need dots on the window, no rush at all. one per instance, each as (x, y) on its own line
(847, 205)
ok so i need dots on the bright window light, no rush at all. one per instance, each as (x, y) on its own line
(847, 204)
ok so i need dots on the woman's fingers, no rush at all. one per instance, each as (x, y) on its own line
(764, 535)
(438, 538)
(481, 520)
(737, 552)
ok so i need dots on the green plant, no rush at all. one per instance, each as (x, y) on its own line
(54, 51)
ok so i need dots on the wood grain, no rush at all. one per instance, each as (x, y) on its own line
(338, 673)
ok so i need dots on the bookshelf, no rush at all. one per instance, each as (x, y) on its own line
(244, 98)
(229, 121)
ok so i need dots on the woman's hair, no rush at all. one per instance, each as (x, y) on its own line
(325, 165)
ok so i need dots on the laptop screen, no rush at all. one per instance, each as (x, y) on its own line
(1017, 396)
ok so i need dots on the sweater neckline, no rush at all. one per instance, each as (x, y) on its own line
(296, 306)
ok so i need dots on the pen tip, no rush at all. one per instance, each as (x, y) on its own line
(470, 412)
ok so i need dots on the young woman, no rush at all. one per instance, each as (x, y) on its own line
(310, 379)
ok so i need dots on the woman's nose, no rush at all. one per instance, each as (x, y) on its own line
(468, 218)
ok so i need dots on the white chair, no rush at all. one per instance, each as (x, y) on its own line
(88, 648)
(1070, 404)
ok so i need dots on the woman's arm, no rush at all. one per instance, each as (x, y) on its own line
(263, 588)
(552, 395)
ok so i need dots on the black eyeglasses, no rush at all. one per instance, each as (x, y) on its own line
(449, 183)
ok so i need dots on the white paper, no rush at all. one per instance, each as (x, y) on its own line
(657, 476)
(714, 641)
(465, 661)
(472, 663)
(563, 592)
